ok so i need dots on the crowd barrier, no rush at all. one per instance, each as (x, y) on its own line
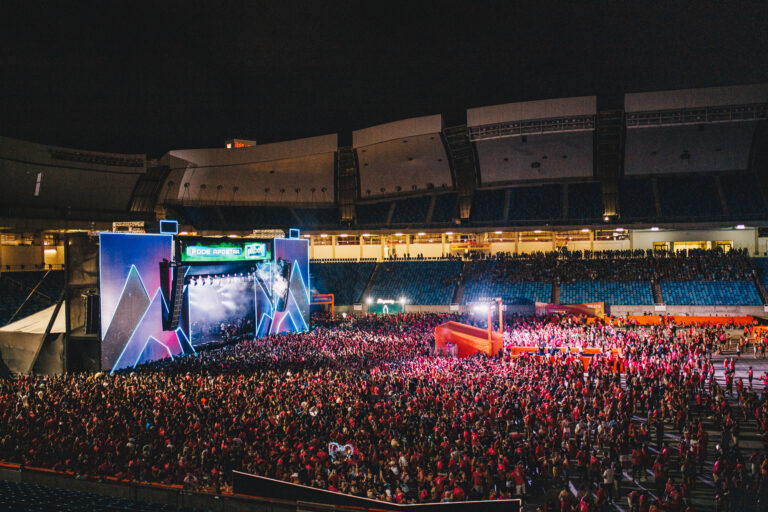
(251, 493)
(247, 484)
(173, 495)
(585, 354)
(695, 320)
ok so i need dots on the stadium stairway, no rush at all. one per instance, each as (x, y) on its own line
(371, 280)
(760, 287)
(657, 298)
(555, 292)
(458, 293)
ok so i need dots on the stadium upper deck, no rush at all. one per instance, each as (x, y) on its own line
(691, 156)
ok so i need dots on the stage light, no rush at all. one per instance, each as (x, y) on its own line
(403, 300)
(398, 234)
(481, 308)
(421, 234)
(606, 218)
(654, 228)
(497, 232)
(183, 233)
(619, 229)
(369, 300)
(232, 236)
(537, 231)
(343, 235)
(306, 236)
(740, 226)
(323, 236)
(449, 232)
(585, 230)
(366, 234)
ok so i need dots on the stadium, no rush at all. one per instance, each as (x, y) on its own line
(559, 303)
(596, 232)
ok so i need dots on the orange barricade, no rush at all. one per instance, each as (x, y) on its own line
(469, 340)
(688, 320)
(586, 359)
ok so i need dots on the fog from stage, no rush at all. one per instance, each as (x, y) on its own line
(222, 309)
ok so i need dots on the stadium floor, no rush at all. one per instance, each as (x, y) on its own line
(703, 496)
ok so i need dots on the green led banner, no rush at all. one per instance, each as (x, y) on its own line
(228, 251)
(386, 307)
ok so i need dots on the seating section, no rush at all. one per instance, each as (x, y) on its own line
(419, 282)
(16, 286)
(743, 196)
(610, 292)
(315, 217)
(445, 208)
(516, 281)
(373, 213)
(637, 201)
(488, 205)
(36, 498)
(544, 202)
(585, 201)
(710, 293)
(345, 280)
(688, 197)
(411, 211)
(761, 264)
(689, 148)
(510, 292)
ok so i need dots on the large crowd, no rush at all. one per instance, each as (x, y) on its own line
(625, 265)
(420, 428)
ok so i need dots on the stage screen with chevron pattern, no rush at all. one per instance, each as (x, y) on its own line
(221, 302)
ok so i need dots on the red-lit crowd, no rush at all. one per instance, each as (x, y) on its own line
(421, 428)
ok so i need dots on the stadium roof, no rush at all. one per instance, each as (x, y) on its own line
(138, 80)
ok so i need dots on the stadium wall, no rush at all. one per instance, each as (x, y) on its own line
(526, 110)
(637, 239)
(17, 255)
(742, 238)
(688, 310)
(696, 98)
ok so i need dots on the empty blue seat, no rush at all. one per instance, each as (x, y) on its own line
(710, 293)
(345, 280)
(419, 282)
(610, 292)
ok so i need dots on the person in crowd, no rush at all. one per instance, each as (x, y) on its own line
(421, 428)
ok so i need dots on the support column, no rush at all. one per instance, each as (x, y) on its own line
(756, 251)
(408, 244)
(490, 328)
(360, 240)
(333, 246)
(382, 243)
(501, 321)
(442, 242)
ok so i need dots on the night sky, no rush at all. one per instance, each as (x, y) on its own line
(165, 76)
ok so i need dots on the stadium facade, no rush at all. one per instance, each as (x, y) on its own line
(685, 169)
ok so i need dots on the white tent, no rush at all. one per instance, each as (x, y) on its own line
(38, 322)
(24, 346)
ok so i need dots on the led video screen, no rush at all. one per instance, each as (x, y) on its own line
(221, 309)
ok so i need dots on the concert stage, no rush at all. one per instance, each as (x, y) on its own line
(163, 295)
